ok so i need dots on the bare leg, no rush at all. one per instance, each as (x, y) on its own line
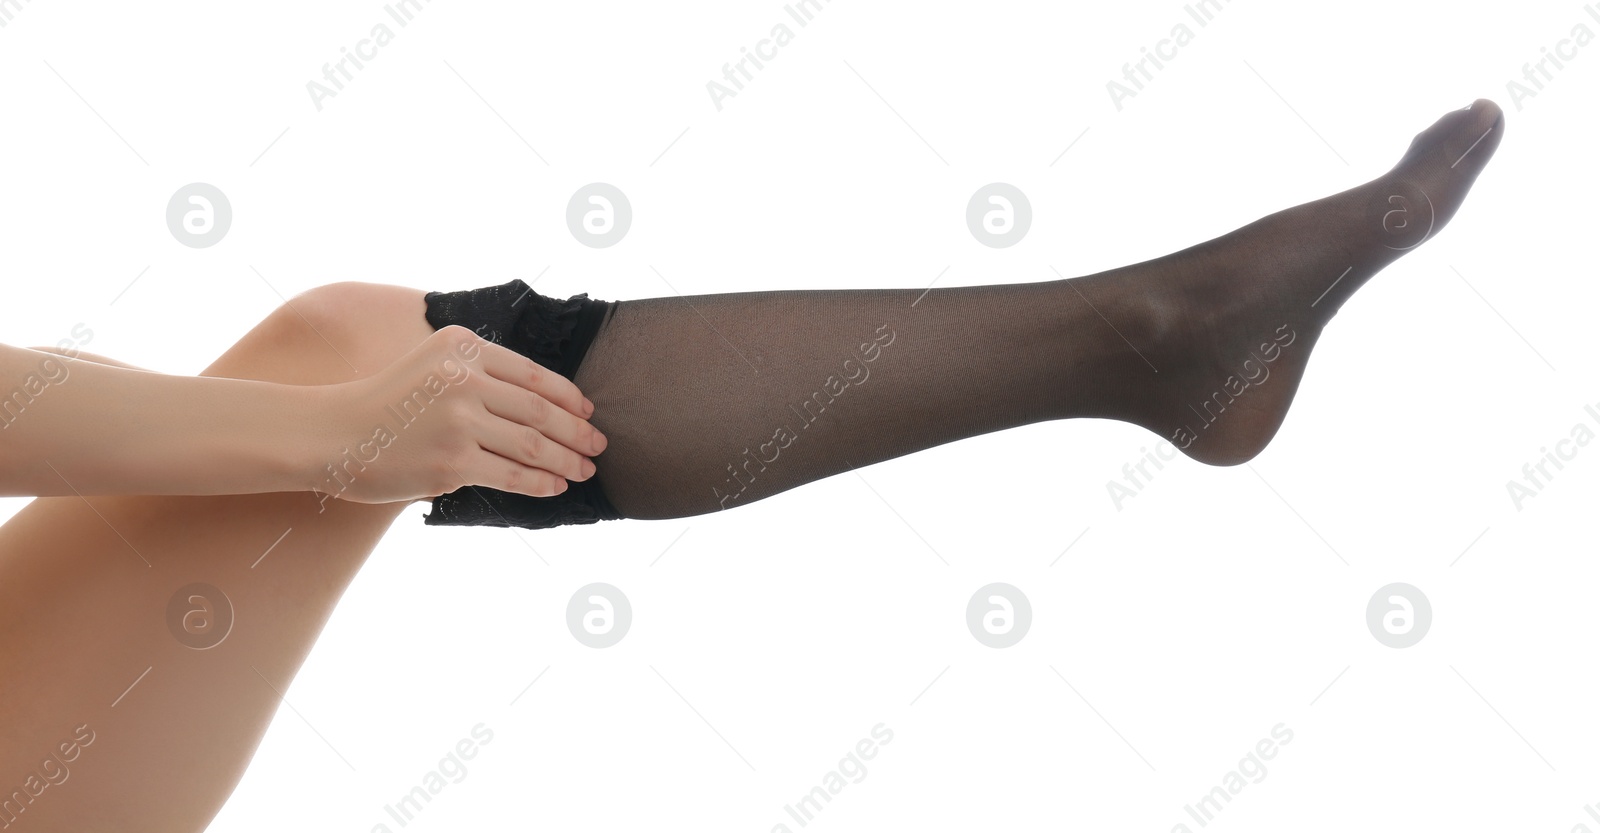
(84, 592)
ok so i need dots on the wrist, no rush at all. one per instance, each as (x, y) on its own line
(308, 445)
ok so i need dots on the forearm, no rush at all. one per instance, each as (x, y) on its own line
(78, 427)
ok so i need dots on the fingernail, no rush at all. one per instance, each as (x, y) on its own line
(588, 469)
(588, 406)
(600, 442)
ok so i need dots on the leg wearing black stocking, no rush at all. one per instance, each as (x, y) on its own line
(715, 401)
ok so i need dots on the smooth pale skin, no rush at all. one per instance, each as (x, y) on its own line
(85, 581)
(492, 418)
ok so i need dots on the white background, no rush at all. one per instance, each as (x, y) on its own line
(1169, 639)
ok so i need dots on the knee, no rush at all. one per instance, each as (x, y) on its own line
(352, 305)
(362, 325)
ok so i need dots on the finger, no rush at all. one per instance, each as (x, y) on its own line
(493, 471)
(510, 366)
(510, 402)
(529, 447)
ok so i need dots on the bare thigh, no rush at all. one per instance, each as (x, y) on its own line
(102, 674)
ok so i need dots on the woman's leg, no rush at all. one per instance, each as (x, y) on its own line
(711, 402)
(92, 649)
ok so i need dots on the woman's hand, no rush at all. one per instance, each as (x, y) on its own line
(456, 411)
